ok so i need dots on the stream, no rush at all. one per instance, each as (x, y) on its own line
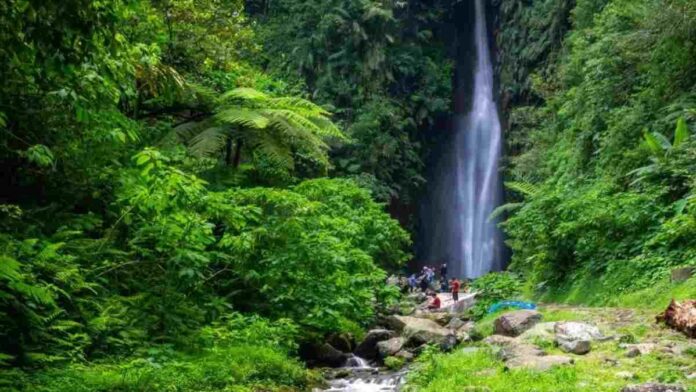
(359, 376)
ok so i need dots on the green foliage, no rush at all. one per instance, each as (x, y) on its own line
(492, 288)
(394, 363)
(381, 68)
(614, 203)
(277, 129)
(236, 368)
(112, 248)
(483, 370)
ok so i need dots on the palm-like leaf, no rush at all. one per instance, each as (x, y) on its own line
(275, 127)
(524, 188)
(681, 134)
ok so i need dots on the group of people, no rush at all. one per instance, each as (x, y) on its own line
(427, 283)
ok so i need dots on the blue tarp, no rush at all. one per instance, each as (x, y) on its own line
(510, 304)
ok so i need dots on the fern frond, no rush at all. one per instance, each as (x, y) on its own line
(9, 269)
(244, 94)
(241, 117)
(208, 142)
(505, 208)
(524, 188)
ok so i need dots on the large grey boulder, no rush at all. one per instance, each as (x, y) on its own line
(419, 330)
(652, 387)
(515, 323)
(368, 347)
(572, 330)
(575, 337)
(579, 347)
(455, 323)
(519, 354)
(387, 348)
(540, 332)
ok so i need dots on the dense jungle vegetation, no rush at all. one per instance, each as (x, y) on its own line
(192, 190)
(601, 98)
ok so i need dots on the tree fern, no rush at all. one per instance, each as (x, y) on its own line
(274, 127)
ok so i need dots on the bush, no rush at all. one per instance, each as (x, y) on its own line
(492, 288)
(394, 363)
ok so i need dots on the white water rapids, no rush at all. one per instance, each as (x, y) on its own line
(466, 186)
(364, 378)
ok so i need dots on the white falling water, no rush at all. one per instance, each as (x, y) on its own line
(467, 186)
(479, 152)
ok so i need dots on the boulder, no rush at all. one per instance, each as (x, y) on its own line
(342, 341)
(462, 335)
(634, 350)
(405, 355)
(579, 347)
(682, 274)
(387, 348)
(455, 323)
(417, 297)
(500, 341)
(396, 322)
(368, 347)
(419, 330)
(572, 330)
(466, 302)
(448, 343)
(653, 387)
(326, 354)
(439, 317)
(519, 354)
(515, 323)
(541, 331)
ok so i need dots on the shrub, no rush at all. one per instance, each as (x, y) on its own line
(492, 288)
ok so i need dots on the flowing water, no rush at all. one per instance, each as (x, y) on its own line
(361, 377)
(466, 186)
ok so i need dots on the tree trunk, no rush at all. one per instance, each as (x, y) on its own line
(681, 316)
(228, 151)
(237, 154)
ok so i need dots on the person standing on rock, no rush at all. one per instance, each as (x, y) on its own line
(454, 285)
(424, 283)
(412, 283)
(443, 271)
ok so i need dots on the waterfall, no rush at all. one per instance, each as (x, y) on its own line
(466, 185)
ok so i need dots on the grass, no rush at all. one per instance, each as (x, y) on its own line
(229, 369)
(589, 291)
(482, 371)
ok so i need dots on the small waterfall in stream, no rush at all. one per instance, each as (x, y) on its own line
(361, 377)
(466, 186)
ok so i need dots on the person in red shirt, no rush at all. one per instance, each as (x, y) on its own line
(435, 304)
(454, 284)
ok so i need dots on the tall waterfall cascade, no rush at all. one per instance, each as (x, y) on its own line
(466, 186)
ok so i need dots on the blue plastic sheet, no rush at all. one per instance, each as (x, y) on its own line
(510, 304)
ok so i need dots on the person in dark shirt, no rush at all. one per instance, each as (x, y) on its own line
(424, 283)
(443, 271)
